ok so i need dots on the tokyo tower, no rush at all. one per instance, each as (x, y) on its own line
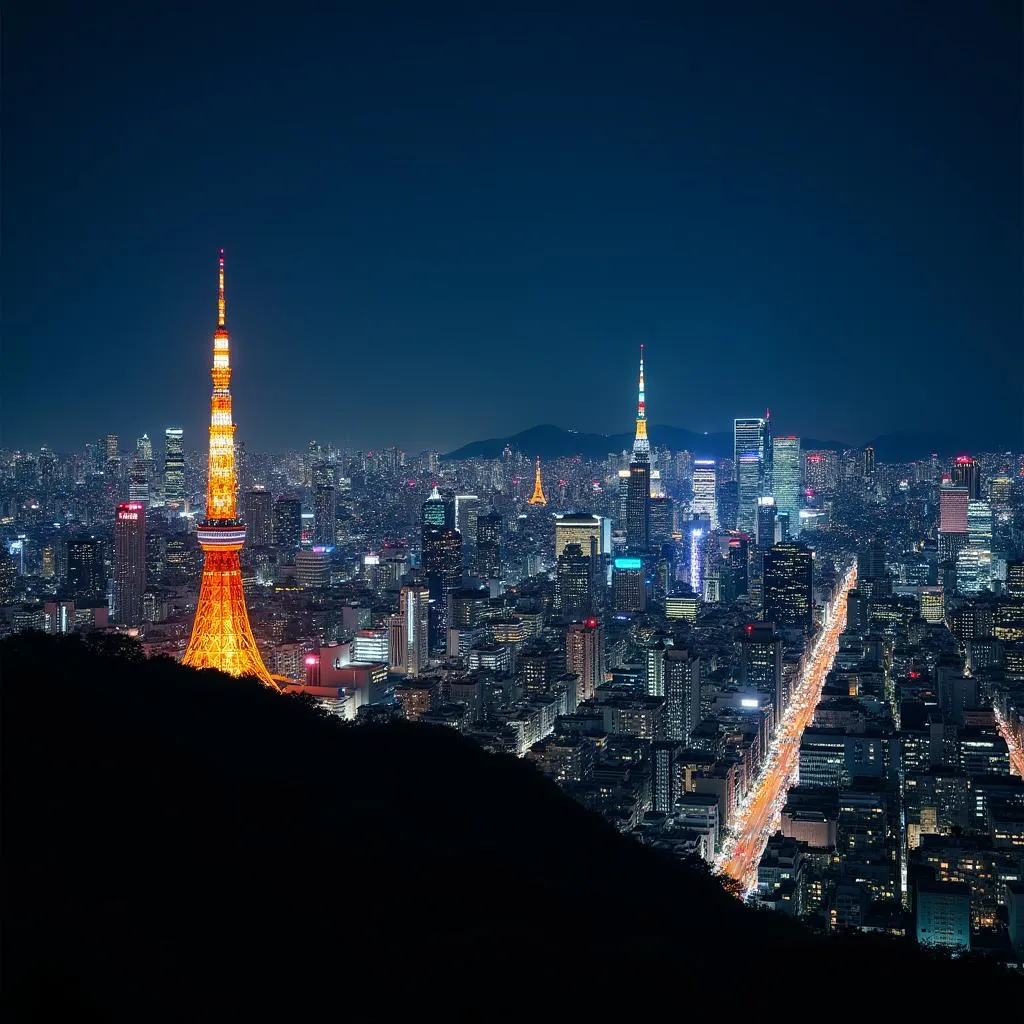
(221, 635)
(537, 498)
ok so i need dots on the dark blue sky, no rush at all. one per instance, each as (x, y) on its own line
(446, 228)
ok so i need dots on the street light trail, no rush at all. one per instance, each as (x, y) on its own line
(759, 813)
(1016, 750)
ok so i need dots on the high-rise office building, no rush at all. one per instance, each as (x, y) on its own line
(129, 562)
(873, 578)
(575, 582)
(761, 662)
(411, 647)
(144, 448)
(86, 576)
(967, 474)
(287, 523)
(682, 693)
(1000, 490)
(749, 490)
(979, 525)
(467, 512)
(435, 515)
(786, 477)
(953, 534)
(821, 470)
(787, 586)
(638, 496)
(660, 521)
(582, 528)
(868, 464)
(629, 590)
(442, 567)
(174, 467)
(767, 516)
(953, 502)
(324, 516)
(750, 435)
(110, 444)
(488, 546)
(259, 517)
(584, 656)
(705, 491)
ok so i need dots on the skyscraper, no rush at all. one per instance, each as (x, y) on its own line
(488, 546)
(967, 473)
(411, 644)
(442, 566)
(682, 693)
(786, 477)
(324, 509)
(85, 568)
(749, 435)
(174, 467)
(787, 586)
(580, 528)
(467, 512)
(584, 656)
(259, 517)
(575, 582)
(129, 562)
(872, 576)
(767, 514)
(705, 493)
(749, 488)
(761, 662)
(953, 534)
(287, 523)
(638, 496)
(221, 635)
(660, 521)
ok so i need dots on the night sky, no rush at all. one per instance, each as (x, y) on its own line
(440, 229)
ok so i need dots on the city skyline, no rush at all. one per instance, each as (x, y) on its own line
(779, 225)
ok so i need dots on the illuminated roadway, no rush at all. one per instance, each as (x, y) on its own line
(758, 815)
(1016, 750)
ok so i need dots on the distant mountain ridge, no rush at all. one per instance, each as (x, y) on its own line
(552, 442)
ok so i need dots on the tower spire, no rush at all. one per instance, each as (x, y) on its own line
(220, 291)
(537, 498)
(641, 446)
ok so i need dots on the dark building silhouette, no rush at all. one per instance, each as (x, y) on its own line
(787, 586)
(488, 546)
(287, 523)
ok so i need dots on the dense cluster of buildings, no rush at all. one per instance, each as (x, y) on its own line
(636, 626)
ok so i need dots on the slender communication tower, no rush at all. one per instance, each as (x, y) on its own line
(537, 498)
(641, 446)
(221, 635)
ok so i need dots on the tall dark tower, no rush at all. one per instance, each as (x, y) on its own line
(130, 562)
(787, 587)
(638, 494)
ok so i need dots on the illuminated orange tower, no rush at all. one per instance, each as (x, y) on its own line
(221, 635)
(537, 498)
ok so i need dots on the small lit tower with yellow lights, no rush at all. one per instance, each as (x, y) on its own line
(221, 635)
(537, 498)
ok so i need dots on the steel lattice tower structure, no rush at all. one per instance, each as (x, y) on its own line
(537, 498)
(221, 635)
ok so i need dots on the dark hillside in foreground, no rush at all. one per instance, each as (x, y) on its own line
(179, 845)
